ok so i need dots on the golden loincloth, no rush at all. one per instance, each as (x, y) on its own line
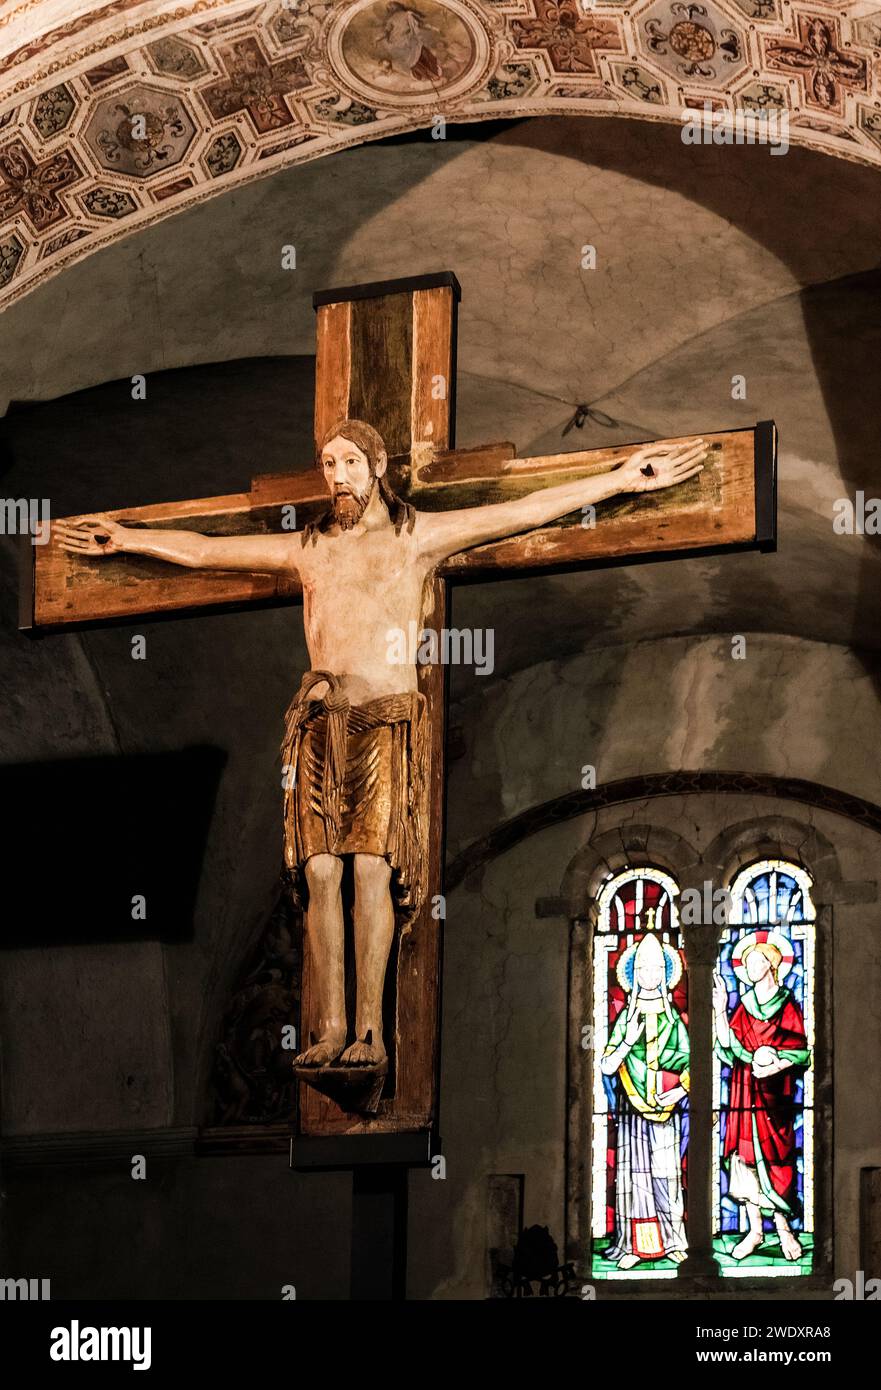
(356, 783)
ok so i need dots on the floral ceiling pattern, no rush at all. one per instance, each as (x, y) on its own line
(113, 115)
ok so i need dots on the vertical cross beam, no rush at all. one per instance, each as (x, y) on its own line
(386, 353)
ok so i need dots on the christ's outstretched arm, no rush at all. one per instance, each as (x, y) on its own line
(96, 536)
(652, 467)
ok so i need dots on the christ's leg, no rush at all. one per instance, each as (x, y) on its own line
(754, 1236)
(374, 930)
(324, 931)
(789, 1241)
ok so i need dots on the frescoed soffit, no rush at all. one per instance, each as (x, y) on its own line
(114, 115)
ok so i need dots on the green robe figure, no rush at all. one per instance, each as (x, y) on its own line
(648, 1051)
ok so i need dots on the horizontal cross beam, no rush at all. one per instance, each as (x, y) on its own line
(729, 506)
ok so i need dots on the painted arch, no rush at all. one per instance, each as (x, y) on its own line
(113, 115)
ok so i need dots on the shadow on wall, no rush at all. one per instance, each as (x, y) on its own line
(202, 431)
(842, 321)
(129, 875)
(143, 811)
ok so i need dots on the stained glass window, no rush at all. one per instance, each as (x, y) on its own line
(763, 1078)
(640, 1079)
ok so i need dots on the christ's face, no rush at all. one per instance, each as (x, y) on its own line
(757, 966)
(349, 476)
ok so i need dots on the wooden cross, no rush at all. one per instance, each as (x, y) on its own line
(386, 353)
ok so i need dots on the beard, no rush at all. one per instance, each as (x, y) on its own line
(348, 508)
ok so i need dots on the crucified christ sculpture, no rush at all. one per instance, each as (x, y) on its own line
(354, 746)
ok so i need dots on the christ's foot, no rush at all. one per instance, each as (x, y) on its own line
(748, 1246)
(366, 1053)
(325, 1050)
(628, 1261)
(790, 1245)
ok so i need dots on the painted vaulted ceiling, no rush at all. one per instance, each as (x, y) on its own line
(114, 115)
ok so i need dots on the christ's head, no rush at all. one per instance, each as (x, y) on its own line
(353, 460)
(352, 456)
(759, 959)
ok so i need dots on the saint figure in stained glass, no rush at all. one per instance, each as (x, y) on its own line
(648, 1053)
(764, 1043)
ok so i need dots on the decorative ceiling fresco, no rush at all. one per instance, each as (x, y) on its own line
(114, 115)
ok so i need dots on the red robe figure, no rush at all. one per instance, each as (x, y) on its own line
(765, 1045)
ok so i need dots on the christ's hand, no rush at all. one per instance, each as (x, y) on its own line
(660, 465)
(767, 1062)
(90, 536)
(720, 1011)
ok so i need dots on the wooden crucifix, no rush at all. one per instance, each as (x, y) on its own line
(371, 539)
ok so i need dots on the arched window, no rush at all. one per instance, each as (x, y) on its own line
(763, 1075)
(640, 1079)
(664, 962)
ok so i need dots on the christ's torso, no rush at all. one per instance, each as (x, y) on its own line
(360, 590)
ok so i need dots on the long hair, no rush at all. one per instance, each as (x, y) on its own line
(372, 445)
